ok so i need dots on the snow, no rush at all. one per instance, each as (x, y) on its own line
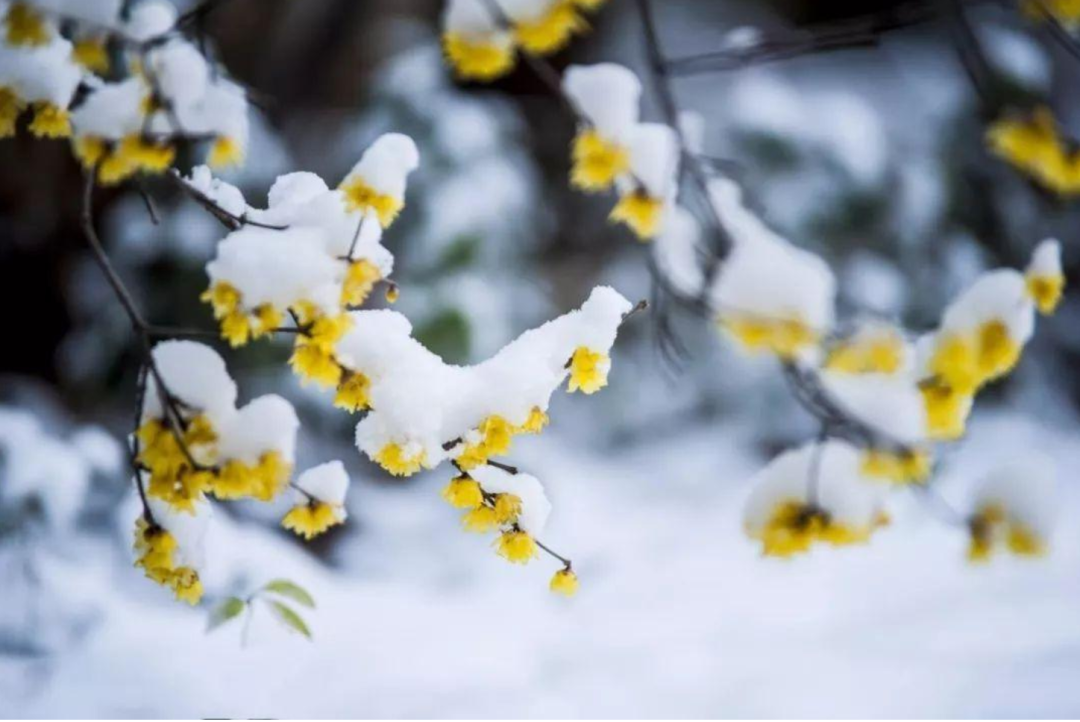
(1046, 260)
(420, 401)
(654, 158)
(535, 507)
(841, 491)
(268, 423)
(196, 375)
(150, 18)
(997, 295)
(765, 275)
(678, 616)
(1026, 490)
(40, 73)
(326, 482)
(607, 95)
(889, 403)
(386, 164)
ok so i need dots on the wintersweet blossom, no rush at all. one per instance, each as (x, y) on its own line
(424, 411)
(1033, 144)
(319, 501)
(607, 96)
(1044, 277)
(1013, 510)
(770, 295)
(814, 494)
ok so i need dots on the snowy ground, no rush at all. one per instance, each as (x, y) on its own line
(678, 615)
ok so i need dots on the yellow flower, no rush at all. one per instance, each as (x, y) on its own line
(496, 434)
(991, 527)
(1045, 291)
(954, 364)
(640, 212)
(946, 410)
(478, 60)
(597, 162)
(395, 460)
(225, 152)
(1034, 146)
(564, 582)
(311, 520)
(266, 320)
(360, 279)
(535, 423)
(785, 337)
(795, 526)
(507, 508)
(313, 354)
(236, 328)
(1067, 12)
(10, 108)
(588, 370)
(263, 480)
(359, 196)
(880, 353)
(463, 493)
(89, 150)
(352, 392)
(135, 153)
(223, 298)
(50, 121)
(552, 31)
(516, 547)
(155, 548)
(91, 53)
(26, 26)
(997, 351)
(899, 467)
(480, 520)
(173, 478)
(186, 585)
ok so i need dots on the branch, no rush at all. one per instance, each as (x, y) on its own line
(230, 220)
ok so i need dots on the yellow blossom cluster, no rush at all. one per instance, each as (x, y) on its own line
(794, 526)
(543, 28)
(991, 528)
(156, 551)
(312, 519)
(1066, 12)
(1034, 144)
(486, 512)
(183, 465)
(495, 436)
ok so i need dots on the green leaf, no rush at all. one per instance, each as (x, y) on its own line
(230, 608)
(447, 334)
(292, 591)
(290, 618)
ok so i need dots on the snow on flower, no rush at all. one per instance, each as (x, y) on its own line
(481, 38)
(170, 548)
(770, 295)
(319, 500)
(193, 440)
(813, 494)
(649, 192)
(425, 410)
(1044, 277)
(37, 71)
(1014, 510)
(607, 96)
(892, 407)
(313, 254)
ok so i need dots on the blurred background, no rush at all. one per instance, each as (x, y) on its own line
(870, 156)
